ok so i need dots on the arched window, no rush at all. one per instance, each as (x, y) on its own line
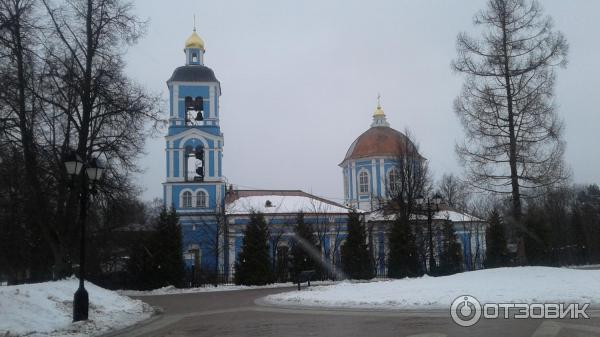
(394, 181)
(363, 182)
(186, 199)
(201, 199)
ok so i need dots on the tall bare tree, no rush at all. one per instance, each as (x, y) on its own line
(513, 139)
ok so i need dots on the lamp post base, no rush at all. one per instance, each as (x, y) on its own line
(81, 303)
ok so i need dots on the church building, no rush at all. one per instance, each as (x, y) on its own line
(370, 165)
(213, 214)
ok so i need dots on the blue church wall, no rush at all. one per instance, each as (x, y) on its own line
(210, 189)
(211, 168)
(203, 237)
(194, 91)
(192, 142)
(176, 164)
(212, 129)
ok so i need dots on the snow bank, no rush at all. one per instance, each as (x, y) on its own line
(46, 309)
(512, 285)
(171, 290)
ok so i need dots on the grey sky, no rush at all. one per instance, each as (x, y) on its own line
(300, 81)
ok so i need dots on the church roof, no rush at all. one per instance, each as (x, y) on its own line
(280, 202)
(381, 141)
(193, 73)
(445, 213)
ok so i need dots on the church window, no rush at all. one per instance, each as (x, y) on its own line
(394, 181)
(201, 199)
(186, 199)
(363, 182)
(194, 57)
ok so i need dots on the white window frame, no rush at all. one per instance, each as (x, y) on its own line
(201, 194)
(389, 180)
(183, 200)
(361, 183)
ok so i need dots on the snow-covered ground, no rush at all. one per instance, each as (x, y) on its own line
(171, 290)
(501, 285)
(46, 309)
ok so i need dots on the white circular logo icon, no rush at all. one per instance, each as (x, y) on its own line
(465, 310)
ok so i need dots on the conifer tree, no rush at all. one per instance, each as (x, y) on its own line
(451, 257)
(157, 261)
(496, 248)
(403, 260)
(168, 251)
(253, 266)
(301, 259)
(356, 258)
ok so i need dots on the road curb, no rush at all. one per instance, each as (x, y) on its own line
(593, 311)
(156, 315)
(264, 302)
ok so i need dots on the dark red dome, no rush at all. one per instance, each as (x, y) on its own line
(381, 141)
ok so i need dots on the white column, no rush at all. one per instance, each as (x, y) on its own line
(353, 179)
(182, 172)
(169, 200)
(212, 112)
(383, 185)
(176, 101)
(373, 178)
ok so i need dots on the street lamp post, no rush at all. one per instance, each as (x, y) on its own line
(93, 171)
(429, 206)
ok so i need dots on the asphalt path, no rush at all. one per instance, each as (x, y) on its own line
(243, 313)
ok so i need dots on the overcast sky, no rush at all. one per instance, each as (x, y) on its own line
(300, 80)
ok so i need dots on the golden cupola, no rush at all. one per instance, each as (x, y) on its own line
(194, 41)
(379, 116)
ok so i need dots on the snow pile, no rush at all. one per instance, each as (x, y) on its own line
(46, 309)
(501, 285)
(171, 290)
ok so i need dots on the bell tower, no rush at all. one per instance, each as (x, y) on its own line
(194, 183)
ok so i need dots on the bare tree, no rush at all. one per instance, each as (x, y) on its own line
(513, 135)
(66, 88)
(408, 179)
(213, 231)
(454, 191)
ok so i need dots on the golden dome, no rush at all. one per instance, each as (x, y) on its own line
(194, 41)
(378, 111)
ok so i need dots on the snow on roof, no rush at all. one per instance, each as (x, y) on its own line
(452, 215)
(283, 203)
(455, 216)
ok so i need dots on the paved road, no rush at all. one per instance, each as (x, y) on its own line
(235, 313)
